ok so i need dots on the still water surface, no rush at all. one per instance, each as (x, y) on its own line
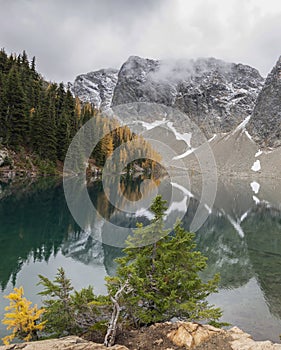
(241, 238)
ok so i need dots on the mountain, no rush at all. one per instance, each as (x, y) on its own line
(216, 95)
(96, 87)
(231, 105)
(265, 126)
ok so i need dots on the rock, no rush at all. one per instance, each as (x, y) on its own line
(191, 327)
(182, 334)
(181, 337)
(67, 343)
(229, 100)
(215, 94)
(243, 341)
(96, 87)
(202, 334)
(158, 341)
(265, 123)
(237, 333)
(6, 164)
(192, 334)
(3, 156)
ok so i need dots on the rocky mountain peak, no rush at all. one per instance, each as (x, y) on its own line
(216, 95)
(96, 87)
(265, 123)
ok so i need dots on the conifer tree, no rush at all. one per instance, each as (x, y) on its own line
(33, 65)
(162, 279)
(58, 309)
(68, 311)
(17, 109)
(3, 109)
(3, 62)
(42, 118)
(47, 145)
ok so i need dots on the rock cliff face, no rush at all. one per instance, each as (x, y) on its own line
(96, 87)
(216, 95)
(265, 124)
(235, 108)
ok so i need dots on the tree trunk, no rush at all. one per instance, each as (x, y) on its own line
(110, 336)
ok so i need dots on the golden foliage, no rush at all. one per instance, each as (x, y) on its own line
(21, 318)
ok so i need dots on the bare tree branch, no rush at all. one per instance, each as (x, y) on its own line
(112, 328)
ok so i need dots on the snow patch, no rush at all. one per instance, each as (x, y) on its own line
(150, 126)
(183, 189)
(248, 135)
(255, 187)
(178, 206)
(208, 208)
(144, 212)
(185, 154)
(212, 138)
(242, 125)
(256, 166)
(237, 226)
(256, 200)
(259, 152)
(186, 137)
(243, 217)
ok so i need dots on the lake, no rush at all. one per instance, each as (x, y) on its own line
(241, 238)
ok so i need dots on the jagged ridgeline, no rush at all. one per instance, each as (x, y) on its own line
(40, 118)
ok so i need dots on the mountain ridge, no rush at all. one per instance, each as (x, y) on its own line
(235, 109)
(265, 122)
(216, 95)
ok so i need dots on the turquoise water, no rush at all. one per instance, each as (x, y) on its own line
(241, 237)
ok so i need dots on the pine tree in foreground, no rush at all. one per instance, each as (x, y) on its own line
(159, 281)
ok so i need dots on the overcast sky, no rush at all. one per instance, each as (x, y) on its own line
(69, 37)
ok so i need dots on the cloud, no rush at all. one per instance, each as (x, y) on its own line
(70, 37)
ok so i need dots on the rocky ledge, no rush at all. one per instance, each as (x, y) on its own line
(67, 343)
(14, 164)
(165, 336)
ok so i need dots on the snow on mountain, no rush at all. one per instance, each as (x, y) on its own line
(216, 95)
(229, 100)
(96, 87)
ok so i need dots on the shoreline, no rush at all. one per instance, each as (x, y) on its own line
(160, 336)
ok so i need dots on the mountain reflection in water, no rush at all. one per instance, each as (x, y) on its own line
(241, 238)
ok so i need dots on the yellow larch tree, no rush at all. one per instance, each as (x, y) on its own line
(21, 318)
